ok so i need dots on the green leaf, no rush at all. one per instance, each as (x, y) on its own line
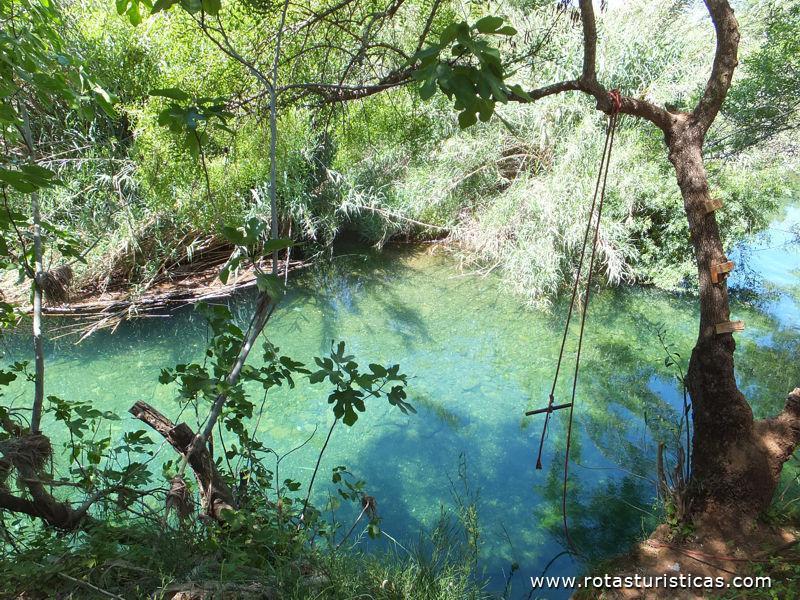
(451, 32)
(105, 100)
(488, 24)
(211, 6)
(507, 30)
(269, 284)
(277, 244)
(173, 93)
(192, 6)
(517, 89)
(18, 181)
(377, 369)
(350, 416)
(233, 235)
(466, 119)
(163, 5)
(428, 89)
(427, 53)
(37, 172)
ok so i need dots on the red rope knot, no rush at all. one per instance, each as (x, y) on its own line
(616, 101)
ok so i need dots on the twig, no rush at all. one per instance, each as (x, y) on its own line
(316, 468)
(86, 584)
(361, 514)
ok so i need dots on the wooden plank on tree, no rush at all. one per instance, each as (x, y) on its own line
(712, 204)
(721, 269)
(729, 327)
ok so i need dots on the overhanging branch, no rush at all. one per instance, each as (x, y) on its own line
(588, 84)
(725, 61)
(216, 493)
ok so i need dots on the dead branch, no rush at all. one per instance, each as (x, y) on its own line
(216, 494)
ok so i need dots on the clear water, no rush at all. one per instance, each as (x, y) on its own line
(478, 359)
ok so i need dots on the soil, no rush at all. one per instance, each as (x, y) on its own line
(711, 550)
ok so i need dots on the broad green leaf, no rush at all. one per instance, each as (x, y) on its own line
(278, 244)
(488, 24)
(233, 235)
(507, 30)
(173, 93)
(517, 89)
(211, 6)
(163, 5)
(466, 119)
(428, 89)
(19, 181)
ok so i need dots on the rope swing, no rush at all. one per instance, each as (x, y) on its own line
(594, 217)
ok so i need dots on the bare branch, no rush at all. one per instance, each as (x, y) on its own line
(331, 92)
(213, 489)
(588, 83)
(16, 504)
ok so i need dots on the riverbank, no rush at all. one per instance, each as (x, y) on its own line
(91, 306)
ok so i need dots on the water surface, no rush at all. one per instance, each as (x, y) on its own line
(478, 358)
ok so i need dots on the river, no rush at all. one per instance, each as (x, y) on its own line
(477, 359)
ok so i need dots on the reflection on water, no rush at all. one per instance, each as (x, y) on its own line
(478, 359)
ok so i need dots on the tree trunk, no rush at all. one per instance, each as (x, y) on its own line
(38, 342)
(38, 278)
(730, 465)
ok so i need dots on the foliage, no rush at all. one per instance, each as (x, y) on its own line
(44, 91)
(150, 557)
(510, 193)
(764, 103)
(475, 88)
(122, 480)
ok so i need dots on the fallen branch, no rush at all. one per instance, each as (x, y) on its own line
(109, 313)
(216, 494)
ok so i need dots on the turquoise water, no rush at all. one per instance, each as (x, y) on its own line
(477, 358)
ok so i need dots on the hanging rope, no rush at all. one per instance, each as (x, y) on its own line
(595, 214)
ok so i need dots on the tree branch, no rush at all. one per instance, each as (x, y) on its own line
(725, 61)
(589, 74)
(588, 84)
(781, 435)
(15, 504)
(331, 92)
(217, 494)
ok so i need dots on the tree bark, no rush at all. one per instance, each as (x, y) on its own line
(38, 277)
(26, 453)
(38, 341)
(729, 465)
(216, 494)
(736, 461)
